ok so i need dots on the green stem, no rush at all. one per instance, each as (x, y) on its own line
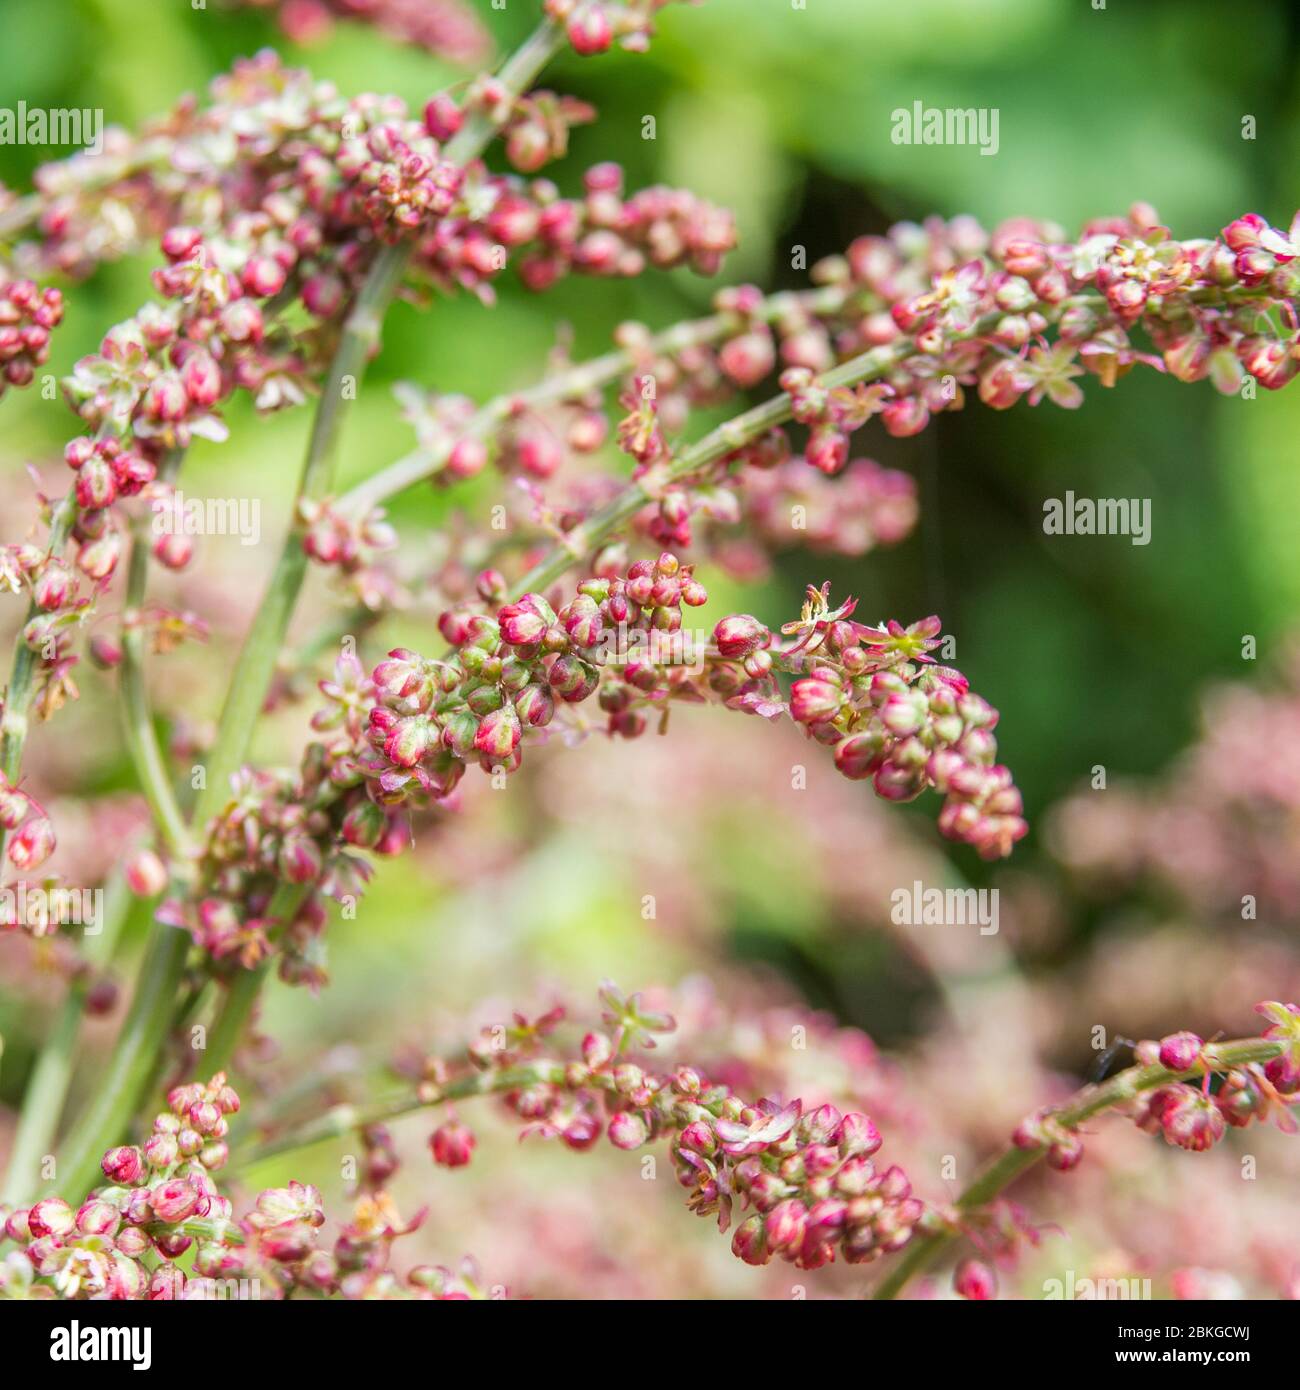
(242, 991)
(727, 438)
(137, 715)
(261, 650)
(18, 693)
(577, 381)
(1002, 1171)
(257, 660)
(117, 1094)
(345, 1119)
(47, 1086)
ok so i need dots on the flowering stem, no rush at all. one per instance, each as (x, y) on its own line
(117, 1094)
(999, 1174)
(261, 651)
(344, 1119)
(577, 381)
(47, 1086)
(141, 737)
(18, 693)
(265, 641)
(242, 991)
(727, 438)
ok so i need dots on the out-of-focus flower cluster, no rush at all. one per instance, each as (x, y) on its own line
(27, 315)
(161, 1202)
(448, 28)
(1218, 833)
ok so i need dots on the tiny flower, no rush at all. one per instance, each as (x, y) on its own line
(452, 1145)
(974, 1279)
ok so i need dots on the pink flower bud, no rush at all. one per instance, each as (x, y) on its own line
(322, 295)
(98, 1218)
(739, 635)
(813, 700)
(973, 1279)
(123, 1166)
(750, 1242)
(452, 1145)
(468, 457)
(179, 242)
(52, 588)
(201, 378)
(51, 1216)
(442, 117)
(96, 485)
(146, 875)
(748, 358)
(173, 550)
(590, 32)
(262, 277)
(627, 1130)
(499, 733)
(173, 1201)
(1180, 1051)
(33, 844)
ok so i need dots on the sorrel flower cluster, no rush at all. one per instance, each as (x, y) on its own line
(808, 1178)
(161, 1202)
(288, 218)
(874, 694)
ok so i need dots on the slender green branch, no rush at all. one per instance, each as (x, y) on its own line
(18, 693)
(117, 1094)
(1002, 1171)
(360, 336)
(241, 993)
(727, 438)
(345, 1119)
(137, 715)
(257, 661)
(47, 1086)
(576, 381)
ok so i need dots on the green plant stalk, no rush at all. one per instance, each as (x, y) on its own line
(257, 660)
(47, 1086)
(137, 714)
(242, 991)
(261, 651)
(117, 1094)
(18, 693)
(345, 1119)
(1012, 1163)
